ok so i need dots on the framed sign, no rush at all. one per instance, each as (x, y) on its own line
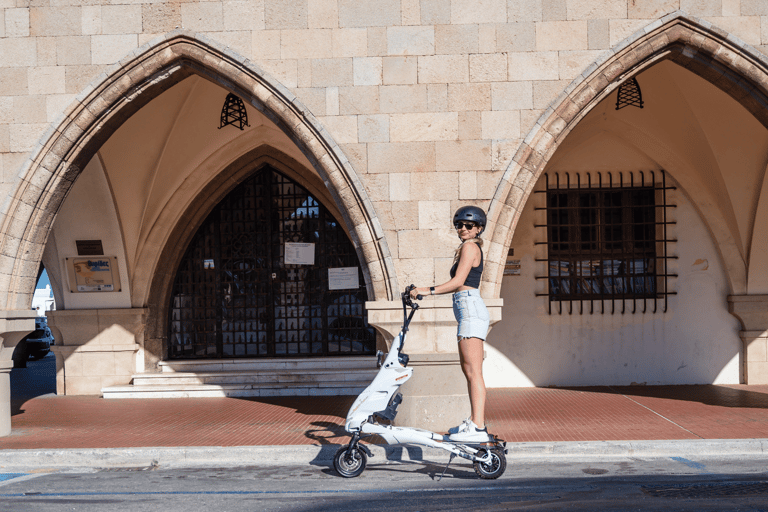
(96, 274)
(512, 268)
(299, 253)
(343, 278)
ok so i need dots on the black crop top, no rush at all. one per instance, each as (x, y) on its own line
(473, 278)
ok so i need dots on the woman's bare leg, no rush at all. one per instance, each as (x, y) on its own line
(471, 357)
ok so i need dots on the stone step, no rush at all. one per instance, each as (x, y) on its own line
(254, 377)
(251, 378)
(235, 390)
(308, 364)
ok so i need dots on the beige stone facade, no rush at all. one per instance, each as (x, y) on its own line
(393, 113)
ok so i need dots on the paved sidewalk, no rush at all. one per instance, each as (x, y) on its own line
(42, 420)
(516, 415)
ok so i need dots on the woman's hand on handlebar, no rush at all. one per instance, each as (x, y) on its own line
(417, 293)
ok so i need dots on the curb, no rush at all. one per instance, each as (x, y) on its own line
(212, 456)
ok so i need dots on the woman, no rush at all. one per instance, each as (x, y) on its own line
(470, 312)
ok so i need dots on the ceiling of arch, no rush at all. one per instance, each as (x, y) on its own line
(154, 153)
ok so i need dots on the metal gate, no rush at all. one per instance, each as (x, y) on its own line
(234, 296)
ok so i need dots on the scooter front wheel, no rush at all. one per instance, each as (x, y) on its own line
(352, 464)
(493, 469)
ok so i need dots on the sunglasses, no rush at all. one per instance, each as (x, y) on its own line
(468, 225)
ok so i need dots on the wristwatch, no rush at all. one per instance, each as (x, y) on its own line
(431, 290)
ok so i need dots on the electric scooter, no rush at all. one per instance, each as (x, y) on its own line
(376, 407)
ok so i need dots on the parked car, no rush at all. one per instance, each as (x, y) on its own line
(34, 345)
(39, 342)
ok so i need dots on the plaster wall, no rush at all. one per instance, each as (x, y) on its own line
(88, 214)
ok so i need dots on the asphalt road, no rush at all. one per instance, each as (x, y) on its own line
(663, 484)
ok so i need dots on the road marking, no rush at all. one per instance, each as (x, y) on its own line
(13, 478)
(691, 464)
(177, 493)
(8, 476)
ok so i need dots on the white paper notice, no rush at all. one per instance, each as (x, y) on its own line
(299, 254)
(343, 278)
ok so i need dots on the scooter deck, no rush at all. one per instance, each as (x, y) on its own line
(493, 441)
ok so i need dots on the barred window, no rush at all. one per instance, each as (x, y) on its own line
(606, 243)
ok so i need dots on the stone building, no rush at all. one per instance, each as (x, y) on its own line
(229, 196)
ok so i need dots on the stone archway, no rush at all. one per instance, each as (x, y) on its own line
(733, 66)
(181, 220)
(130, 84)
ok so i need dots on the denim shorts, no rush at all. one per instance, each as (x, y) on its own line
(471, 313)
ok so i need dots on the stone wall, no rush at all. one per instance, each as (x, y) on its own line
(428, 98)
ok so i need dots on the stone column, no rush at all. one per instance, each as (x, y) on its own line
(752, 312)
(14, 325)
(435, 398)
(96, 348)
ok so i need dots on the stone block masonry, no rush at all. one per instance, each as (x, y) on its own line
(402, 80)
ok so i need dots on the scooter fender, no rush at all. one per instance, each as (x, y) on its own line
(376, 396)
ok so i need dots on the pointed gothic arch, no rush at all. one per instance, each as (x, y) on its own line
(733, 66)
(125, 87)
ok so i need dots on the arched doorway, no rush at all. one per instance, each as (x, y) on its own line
(261, 279)
(716, 163)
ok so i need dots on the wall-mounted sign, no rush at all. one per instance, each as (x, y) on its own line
(299, 253)
(89, 247)
(343, 278)
(96, 274)
(512, 268)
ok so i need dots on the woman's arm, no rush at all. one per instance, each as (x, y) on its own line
(468, 258)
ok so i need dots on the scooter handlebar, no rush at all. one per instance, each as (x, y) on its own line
(407, 295)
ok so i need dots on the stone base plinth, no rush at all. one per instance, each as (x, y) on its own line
(14, 325)
(755, 356)
(96, 348)
(86, 369)
(752, 312)
(5, 397)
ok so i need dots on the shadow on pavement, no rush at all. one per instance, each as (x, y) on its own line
(37, 379)
(709, 394)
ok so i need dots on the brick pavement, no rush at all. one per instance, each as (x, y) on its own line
(515, 414)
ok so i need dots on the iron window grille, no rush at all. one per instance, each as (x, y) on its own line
(606, 242)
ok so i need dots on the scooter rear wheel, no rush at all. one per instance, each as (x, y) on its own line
(493, 469)
(352, 465)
